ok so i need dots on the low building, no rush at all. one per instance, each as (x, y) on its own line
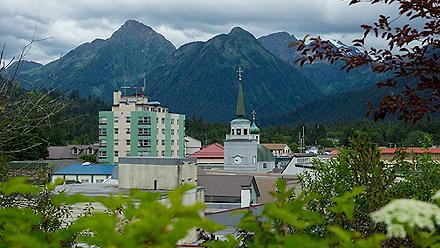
(210, 157)
(228, 191)
(84, 173)
(192, 145)
(148, 174)
(279, 150)
(152, 173)
(299, 163)
(387, 154)
(70, 154)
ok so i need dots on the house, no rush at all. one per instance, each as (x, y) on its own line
(71, 152)
(312, 150)
(279, 150)
(228, 191)
(192, 145)
(387, 154)
(211, 156)
(84, 173)
(137, 127)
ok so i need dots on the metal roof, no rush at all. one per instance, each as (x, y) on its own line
(212, 151)
(225, 185)
(92, 169)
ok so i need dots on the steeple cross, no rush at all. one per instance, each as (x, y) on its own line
(253, 115)
(240, 75)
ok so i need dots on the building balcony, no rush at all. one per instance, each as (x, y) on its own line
(144, 134)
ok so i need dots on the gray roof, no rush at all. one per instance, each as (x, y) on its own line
(65, 152)
(225, 185)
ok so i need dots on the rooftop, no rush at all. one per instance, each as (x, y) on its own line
(275, 146)
(212, 151)
(224, 185)
(86, 169)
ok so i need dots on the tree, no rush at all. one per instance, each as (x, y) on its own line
(358, 165)
(410, 61)
(24, 114)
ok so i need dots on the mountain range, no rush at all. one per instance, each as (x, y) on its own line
(200, 79)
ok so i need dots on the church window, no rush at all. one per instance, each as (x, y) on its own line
(245, 131)
(239, 131)
(264, 165)
(232, 131)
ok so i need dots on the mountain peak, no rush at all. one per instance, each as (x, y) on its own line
(133, 28)
(238, 31)
(133, 24)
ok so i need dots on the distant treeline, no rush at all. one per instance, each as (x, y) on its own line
(326, 134)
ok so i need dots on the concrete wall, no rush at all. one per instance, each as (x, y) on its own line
(156, 173)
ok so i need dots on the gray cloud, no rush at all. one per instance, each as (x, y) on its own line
(73, 22)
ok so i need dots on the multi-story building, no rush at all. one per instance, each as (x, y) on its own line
(137, 127)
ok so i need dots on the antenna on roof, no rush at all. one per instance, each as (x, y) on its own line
(144, 89)
(125, 83)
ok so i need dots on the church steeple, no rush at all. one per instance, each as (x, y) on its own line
(240, 112)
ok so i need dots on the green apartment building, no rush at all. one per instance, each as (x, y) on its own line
(137, 127)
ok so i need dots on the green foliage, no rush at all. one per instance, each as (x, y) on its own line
(419, 177)
(289, 223)
(88, 158)
(33, 216)
(358, 165)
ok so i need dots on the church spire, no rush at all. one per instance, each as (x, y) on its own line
(240, 112)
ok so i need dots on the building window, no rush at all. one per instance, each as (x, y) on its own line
(127, 142)
(116, 142)
(245, 131)
(163, 131)
(163, 142)
(172, 152)
(75, 151)
(116, 120)
(116, 131)
(239, 131)
(99, 180)
(127, 130)
(102, 154)
(84, 180)
(144, 120)
(144, 143)
(144, 131)
(172, 131)
(163, 153)
(103, 120)
(232, 131)
(177, 121)
(116, 153)
(102, 142)
(264, 165)
(163, 120)
(172, 121)
(172, 142)
(102, 131)
(127, 119)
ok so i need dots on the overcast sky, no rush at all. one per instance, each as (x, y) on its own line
(73, 22)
